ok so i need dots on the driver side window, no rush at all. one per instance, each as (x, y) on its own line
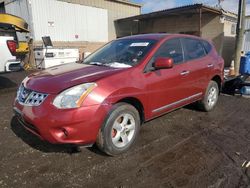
(171, 49)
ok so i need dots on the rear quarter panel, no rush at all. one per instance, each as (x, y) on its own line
(218, 66)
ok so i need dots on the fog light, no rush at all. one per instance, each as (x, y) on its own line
(65, 132)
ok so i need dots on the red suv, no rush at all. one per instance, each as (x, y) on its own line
(106, 98)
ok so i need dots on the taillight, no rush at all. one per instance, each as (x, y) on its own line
(12, 46)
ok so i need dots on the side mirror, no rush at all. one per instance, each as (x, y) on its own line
(163, 63)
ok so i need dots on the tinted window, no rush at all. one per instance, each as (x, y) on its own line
(193, 49)
(172, 49)
(207, 46)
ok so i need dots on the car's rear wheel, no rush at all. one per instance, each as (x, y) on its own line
(120, 129)
(210, 99)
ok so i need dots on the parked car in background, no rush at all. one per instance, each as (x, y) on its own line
(106, 99)
(11, 49)
(8, 61)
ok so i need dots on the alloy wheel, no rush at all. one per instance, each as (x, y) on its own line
(123, 130)
(212, 96)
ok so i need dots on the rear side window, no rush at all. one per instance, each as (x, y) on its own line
(193, 49)
(207, 46)
(172, 49)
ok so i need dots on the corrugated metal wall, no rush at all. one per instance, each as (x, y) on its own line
(246, 45)
(69, 22)
(115, 9)
(62, 21)
(109, 5)
(18, 8)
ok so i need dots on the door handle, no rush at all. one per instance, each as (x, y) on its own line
(185, 73)
(210, 65)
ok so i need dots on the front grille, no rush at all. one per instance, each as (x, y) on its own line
(28, 97)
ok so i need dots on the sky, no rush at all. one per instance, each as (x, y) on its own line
(155, 5)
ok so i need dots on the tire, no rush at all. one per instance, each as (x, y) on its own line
(210, 99)
(120, 129)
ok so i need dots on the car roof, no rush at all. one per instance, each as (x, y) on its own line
(155, 36)
(159, 36)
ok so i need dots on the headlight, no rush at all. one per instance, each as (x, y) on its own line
(73, 97)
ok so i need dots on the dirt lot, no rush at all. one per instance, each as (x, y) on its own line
(185, 148)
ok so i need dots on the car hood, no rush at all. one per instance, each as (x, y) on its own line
(57, 79)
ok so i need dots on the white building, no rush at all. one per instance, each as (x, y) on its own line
(76, 23)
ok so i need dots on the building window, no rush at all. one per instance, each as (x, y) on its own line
(233, 29)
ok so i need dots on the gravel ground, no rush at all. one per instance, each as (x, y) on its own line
(185, 148)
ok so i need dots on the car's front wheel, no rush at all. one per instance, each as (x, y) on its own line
(211, 97)
(120, 129)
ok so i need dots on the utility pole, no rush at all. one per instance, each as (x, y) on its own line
(219, 4)
(239, 35)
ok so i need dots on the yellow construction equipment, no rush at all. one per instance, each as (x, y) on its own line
(23, 48)
(10, 25)
(19, 23)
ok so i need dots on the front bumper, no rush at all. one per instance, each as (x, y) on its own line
(71, 126)
(13, 65)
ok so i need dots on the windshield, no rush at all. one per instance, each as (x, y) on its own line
(123, 53)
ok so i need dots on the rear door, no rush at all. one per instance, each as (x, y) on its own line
(167, 88)
(198, 62)
(211, 58)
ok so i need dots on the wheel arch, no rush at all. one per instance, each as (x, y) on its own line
(218, 80)
(135, 103)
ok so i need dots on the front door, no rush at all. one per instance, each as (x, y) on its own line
(167, 88)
